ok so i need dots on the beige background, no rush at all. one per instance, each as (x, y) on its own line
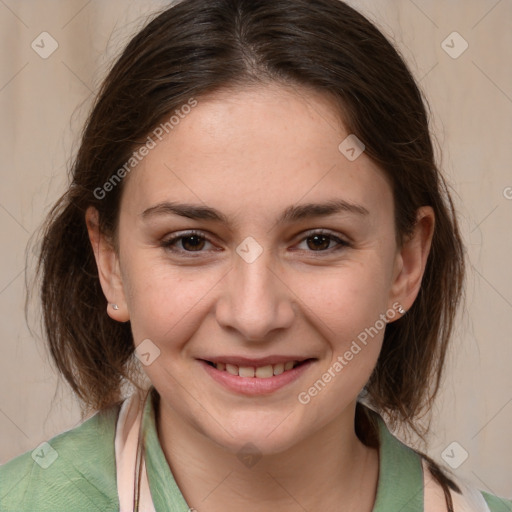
(44, 101)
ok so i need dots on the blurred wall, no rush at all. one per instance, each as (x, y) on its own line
(45, 96)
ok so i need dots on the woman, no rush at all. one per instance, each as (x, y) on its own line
(257, 222)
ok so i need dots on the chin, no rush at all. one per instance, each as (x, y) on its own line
(252, 434)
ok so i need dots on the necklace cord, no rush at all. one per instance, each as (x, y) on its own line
(139, 460)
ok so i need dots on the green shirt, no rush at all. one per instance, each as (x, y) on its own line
(75, 471)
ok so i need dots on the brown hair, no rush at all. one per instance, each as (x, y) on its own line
(197, 47)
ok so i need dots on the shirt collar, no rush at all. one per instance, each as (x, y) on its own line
(400, 485)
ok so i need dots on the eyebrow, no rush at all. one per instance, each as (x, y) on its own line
(291, 214)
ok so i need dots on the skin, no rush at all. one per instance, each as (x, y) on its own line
(250, 154)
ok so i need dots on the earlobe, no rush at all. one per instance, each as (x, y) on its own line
(411, 259)
(109, 273)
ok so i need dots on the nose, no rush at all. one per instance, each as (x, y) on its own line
(256, 301)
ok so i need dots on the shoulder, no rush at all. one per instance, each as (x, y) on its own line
(468, 498)
(407, 470)
(496, 503)
(74, 470)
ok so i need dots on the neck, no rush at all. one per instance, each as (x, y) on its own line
(333, 463)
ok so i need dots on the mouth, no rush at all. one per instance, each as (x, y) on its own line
(255, 370)
(256, 377)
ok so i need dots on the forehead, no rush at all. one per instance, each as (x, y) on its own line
(257, 149)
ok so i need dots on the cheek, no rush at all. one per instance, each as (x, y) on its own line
(346, 308)
(347, 314)
(164, 301)
(347, 299)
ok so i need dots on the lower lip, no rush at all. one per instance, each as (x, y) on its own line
(254, 385)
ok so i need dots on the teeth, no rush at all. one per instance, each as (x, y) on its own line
(231, 368)
(261, 372)
(278, 368)
(264, 372)
(246, 371)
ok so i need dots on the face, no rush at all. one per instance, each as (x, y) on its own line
(249, 278)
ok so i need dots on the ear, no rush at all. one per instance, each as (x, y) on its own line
(411, 260)
(107, 261)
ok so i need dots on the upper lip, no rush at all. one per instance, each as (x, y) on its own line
(260, 361)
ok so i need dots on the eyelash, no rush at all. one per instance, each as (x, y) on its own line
(170, 242)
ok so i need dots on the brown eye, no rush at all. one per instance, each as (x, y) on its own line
(319, 242)
(185, 243)
(322, 242)
(192, 243)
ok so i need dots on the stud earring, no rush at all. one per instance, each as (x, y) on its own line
(401, 310)
(115, 306)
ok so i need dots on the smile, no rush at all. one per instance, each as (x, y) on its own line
(255, 378)
(260, 372)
